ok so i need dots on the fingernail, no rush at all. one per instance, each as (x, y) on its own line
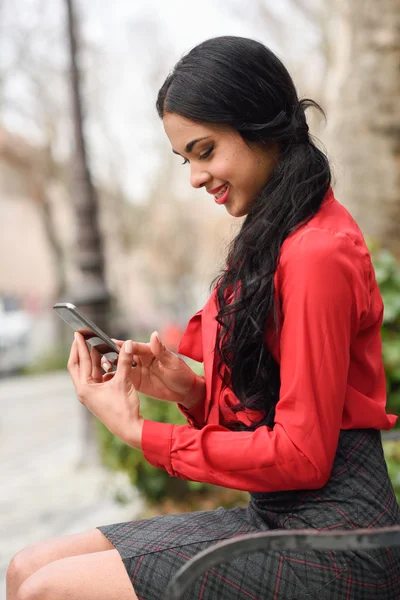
(128, 345)
(106, 366)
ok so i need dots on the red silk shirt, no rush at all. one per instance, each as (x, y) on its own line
(329, 351)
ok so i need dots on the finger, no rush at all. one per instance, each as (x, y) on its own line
(73, 363)
(139, 348)
(85, 362)
(107, 377)
(159, 350)
(97, 372)
(105, 364)
(123, 372)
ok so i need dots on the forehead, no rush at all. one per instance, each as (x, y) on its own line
(181, 130)
(178, 127)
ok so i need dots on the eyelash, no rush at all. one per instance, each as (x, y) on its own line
(202, 156)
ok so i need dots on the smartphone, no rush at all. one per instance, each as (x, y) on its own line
(93, 335)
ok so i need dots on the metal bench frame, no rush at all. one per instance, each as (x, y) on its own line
(300, 540)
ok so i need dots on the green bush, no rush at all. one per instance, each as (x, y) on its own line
(387, 271)
(392, 456)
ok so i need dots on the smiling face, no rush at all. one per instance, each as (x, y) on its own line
(222, 161)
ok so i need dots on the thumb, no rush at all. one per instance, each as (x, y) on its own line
(158, 348)
(124, 366)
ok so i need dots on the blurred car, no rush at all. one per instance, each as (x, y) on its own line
(15, 335)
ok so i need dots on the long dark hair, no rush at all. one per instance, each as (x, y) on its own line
(239, 82)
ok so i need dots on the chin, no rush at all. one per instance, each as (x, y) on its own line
(237, 212)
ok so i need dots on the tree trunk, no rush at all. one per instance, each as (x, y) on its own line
(363, 105)
(90, 292)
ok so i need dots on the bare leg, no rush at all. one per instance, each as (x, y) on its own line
(96, 576)
(34, 557)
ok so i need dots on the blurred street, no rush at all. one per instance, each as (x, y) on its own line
(44, 493)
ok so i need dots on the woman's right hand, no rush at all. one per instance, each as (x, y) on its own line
(161, 374)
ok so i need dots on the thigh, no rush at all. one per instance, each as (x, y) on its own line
(95, 576)
(153, 549)
(34, 557)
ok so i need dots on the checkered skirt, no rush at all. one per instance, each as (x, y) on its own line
(358, 494)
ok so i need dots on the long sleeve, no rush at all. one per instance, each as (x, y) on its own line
(325, 295)
(195, 416)
(191, 345)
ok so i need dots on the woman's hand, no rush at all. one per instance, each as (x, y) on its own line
(115, 402)
(161, 374)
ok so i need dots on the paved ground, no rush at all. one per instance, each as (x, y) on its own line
(43, 491)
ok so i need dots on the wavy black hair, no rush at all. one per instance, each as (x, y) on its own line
(239, 82)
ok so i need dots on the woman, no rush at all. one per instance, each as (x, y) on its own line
(293, 398)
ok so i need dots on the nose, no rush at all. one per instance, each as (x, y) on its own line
(199, 176)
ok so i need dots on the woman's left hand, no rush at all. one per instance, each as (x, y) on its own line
(115, 402)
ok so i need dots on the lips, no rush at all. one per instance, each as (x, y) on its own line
(216, 190)
(221, 193)
(222, 196)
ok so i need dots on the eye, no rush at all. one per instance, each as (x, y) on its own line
(207, 152)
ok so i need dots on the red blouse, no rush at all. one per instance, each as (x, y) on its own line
(330, 355)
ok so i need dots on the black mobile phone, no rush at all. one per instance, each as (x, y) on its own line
(93, 335)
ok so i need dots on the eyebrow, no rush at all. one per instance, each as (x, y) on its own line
(190, 145)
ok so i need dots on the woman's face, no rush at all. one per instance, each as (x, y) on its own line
(218, 157)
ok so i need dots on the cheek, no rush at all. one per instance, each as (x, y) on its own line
(260, 174)
(237, 168)
(248, 174)
(224, 169)
(242, 169)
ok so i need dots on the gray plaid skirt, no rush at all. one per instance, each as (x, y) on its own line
(358, 494)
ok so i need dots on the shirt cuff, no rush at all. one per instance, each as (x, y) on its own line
(156, 444)
(194, 415)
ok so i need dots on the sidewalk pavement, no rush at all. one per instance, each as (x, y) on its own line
(44, 491)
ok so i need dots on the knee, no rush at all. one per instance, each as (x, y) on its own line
(29, 590)
(25, 577)
(21, 576)
(21, 567)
